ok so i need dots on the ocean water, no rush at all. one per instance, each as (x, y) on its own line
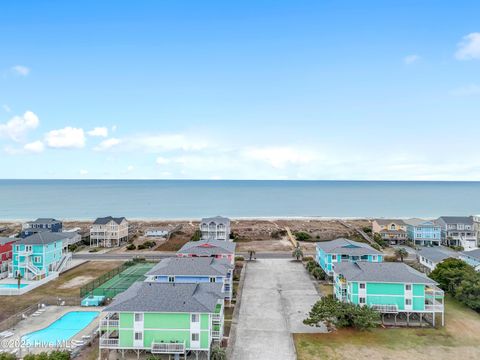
(179, 199)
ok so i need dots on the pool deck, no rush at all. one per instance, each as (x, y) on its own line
(51, 314)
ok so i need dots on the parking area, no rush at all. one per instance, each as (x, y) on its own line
(276, 298)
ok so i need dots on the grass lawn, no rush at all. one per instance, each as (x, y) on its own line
(92, 269)
(459, 339)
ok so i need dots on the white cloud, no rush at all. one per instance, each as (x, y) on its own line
(410, 59)
(98, 131)
(162, 142)
(66, 138)
(21, 70)
(107, 144)
(6, 108)
(469, 47)
(162, 161)
(83, 172)
(130, 168)
(472, 89)
(280, 157)
(114, 128)
(17, 127)
(35, 147)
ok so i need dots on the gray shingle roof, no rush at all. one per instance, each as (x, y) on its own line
(421, 222)
(472, 253)
(106, 220)
(208, 247)
(389, 272)
(206, 266)
(389, 221)
(467, 220)
(437, 254)
(45, 237)
(216, 219)
(44, 221)
(167, 297)
(6, 240)
(347, 247)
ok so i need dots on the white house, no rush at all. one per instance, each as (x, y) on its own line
(109, 231)
(215, 228)
(430, 257)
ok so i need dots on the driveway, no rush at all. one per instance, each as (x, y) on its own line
(277, 295)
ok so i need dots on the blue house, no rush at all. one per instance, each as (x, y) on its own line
(41, 225)
(38, 256)
(471, 258)
(340, 250)
(194, 270)
(424, 232)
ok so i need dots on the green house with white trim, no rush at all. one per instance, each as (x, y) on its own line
(397, 291)
(164, 318)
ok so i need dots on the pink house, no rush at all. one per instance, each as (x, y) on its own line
(209, 248)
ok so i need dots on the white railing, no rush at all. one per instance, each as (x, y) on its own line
(217, 317)
(110, 323)
(216, 334)
(385, 308)
(167, 348)
(105, 342)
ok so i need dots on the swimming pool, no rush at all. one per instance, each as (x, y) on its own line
(62, 329)
(12, 286)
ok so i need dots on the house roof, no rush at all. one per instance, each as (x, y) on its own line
(386, 231)
(206, 266)
(46, 237)
(106, 220)
(168, 297)
(208, 247)
(216, 219)
(7, 240)
(389, 272)
(420, 222)
(438, 253)
(389, 221)
(347, 247)
(472, 253)
(467, 220)
(44, 221)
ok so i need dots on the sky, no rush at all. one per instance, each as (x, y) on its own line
(328, 90)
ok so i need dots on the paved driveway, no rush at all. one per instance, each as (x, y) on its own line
(277, 295)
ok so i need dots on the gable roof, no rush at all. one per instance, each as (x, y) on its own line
(468, 220)
(208, 247)
(347, 247)
(438, 253)
(168, 297)
(198, 266)
(389, 221)
(7, 240)
(216, 219)
(44, 221)
(46, 237)
(475, 254)
(107, 219)
(421, 222)
(388, 272)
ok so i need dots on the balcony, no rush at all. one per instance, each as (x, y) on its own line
(435, 306)
(108, 343)
(109, 323)
(385, 308)
(167, 348)
(216, 335)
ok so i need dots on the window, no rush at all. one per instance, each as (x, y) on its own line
(195, 318)
(361, 300)
(37, 259)
(334, 257)
(28, 248)
(138, 317)
(408, 301)
(408, 287)
(374, 258)
(171, 279)
(138, 335)
(362, 285)
(195, 337)
(212, 279)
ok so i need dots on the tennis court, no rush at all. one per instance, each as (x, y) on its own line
(116, 281)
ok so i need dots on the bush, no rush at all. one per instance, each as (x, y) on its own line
(218, 353)
(378, 239)
(308, 258)
(149, 244)
(311, 265)
(239, 258)
(7, 356)
(302, 236)
(278, 234)
(72, 247)
(141, 247)
(367, 229)
(131, 247)
(93, 250)
(197, 235)
(376, 247)
(319, 274)
(54, 355)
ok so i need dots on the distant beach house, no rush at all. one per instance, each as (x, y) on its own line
(215, 228)
(392, 231)
(182, 270)
(424, 232)
(472, 258)
(157, 232)
(458, 231)
(41, 224)
(331, 253)
(390, 288)
(214, 248)
(37, 256)
(430, 257)
(164, 319)
(109, 231)
(5, 255)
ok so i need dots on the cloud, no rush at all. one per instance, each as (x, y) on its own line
(98, 131)
(130, 168)
(20, 70)
(469, 47)
(410, 59)
(6, 108)
(66, 138)
(162, 161)
(35, 147)
(280, 157)
(18, 126)
(107, 144)
(472, 89)
(168, 142)
(83, 172)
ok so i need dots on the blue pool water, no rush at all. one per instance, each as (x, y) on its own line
(12, 286)
(62, 329)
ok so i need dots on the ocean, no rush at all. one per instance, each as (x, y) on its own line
(190, 199)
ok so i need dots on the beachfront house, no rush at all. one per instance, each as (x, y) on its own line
(213, 248)
(40, 255)
(181, 270)
(430, 257)
(397, 291)
(472, 258)
(5, 255)
(215, 228)
(458, 231)
(393, 231)
(331, 253)
(109, 231)
(40, 225)
(424, 232)
(164, 319)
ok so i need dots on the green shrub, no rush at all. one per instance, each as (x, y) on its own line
(239, 258)
(7, 356)
(149, 244)
(72, 247)
(308, 258)
(311, 265)
(302, 236)
(141, 247)
(93, 250)
(131, 247)
(197, 235)
(319, 274)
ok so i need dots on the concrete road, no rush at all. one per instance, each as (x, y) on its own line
(277, 296)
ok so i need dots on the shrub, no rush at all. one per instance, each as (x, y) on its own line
(239, 258)
(302, 236)
(197, 235)
(308, 258)
(278, 234)
(54, 355)
(131, 247)
(378, 239)
(376, 247)
(319, 274)
(311, 265)
(367, 229)
(72, 247)
(7, 356)
(141, 247)
(93, 250)
(149, 244)
(218, 353)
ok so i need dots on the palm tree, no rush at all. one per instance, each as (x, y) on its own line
(251, 254)
(297, 253)
(401, 253)
(19, 279)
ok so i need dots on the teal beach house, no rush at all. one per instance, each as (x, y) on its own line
(164, 319)
(397, 291)
(330, 253)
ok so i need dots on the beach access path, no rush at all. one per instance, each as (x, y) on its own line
(276, 297)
